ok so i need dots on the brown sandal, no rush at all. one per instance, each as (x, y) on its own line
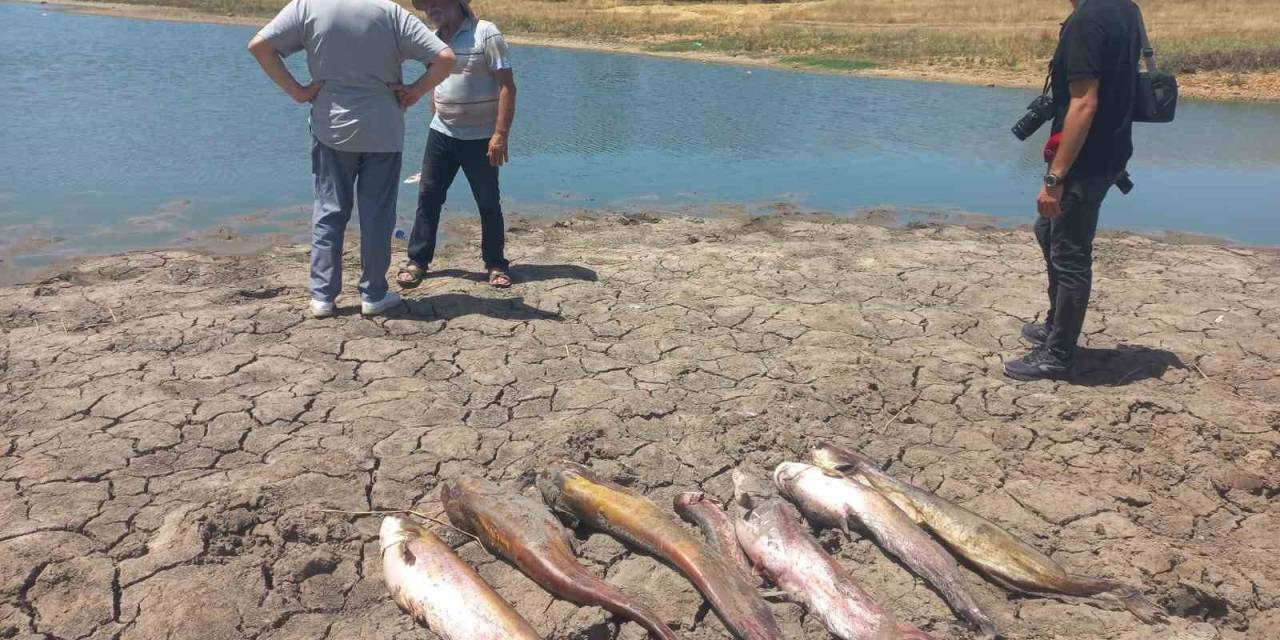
(410, 275)
(499, 279)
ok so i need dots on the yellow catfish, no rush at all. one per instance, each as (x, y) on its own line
(1001, 556)
(525, 533)
(575, 491)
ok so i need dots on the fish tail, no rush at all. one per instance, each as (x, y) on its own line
(910, 632)
(1127, 596)
(1145, 610)
(621, 606)
(736, 601)
(949, 585)
(981, 621)
(582, 588)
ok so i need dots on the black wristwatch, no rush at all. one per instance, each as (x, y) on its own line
(1052, 180)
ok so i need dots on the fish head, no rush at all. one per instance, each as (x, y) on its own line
(461, 499)
(836, 458)
(396, 530)
(690, 498)
(397, 534)
(788, 474)
(481, 508)
(469, 489)
(451, 496)
(557, 484)
(816, 491)
(750, 488)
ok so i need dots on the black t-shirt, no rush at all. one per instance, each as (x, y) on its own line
(1101, 40)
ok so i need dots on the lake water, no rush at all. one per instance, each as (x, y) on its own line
(128, 133)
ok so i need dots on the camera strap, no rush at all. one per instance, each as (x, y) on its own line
(1048, 77)
(1148, 54)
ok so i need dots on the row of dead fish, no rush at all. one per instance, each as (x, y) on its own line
(762, 534)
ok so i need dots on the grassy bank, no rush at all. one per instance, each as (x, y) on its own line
(1210, 43)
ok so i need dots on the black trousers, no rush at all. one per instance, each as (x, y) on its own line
(1067, 243)
(440, 164)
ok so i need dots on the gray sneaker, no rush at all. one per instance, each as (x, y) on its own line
(370, 309)
(1036, 333)
(1040, 364)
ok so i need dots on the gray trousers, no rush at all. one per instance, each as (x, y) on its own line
(344, 179)
(1067, 244)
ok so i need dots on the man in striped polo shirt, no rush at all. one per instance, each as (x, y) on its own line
(474, 108)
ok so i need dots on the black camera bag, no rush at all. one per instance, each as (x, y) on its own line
(1156, 97)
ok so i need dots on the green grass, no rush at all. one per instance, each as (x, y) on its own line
(679, 46)
(1220, 56)
(829, 63)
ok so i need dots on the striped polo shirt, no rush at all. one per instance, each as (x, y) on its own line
(467, 101)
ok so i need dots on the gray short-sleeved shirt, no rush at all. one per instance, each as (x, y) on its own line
(355, 47)
(467, 101)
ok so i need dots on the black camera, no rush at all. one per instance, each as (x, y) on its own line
(1040, 111)
(1124, 183)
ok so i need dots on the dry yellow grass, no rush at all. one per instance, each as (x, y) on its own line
(1227, 44)
(1235, 35)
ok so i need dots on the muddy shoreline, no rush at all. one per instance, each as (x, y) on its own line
(234, 238)
(173, 426)
(1230, 87)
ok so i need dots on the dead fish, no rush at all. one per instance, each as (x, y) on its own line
(438, 589)
(526, 534)
(831, 499)
(994, 552)
(775, 538)
(708, 514)
(574, 490)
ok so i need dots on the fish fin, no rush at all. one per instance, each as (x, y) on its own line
(525, 480)
(776, 594)
(844, 524)
(906, 631)
(572, 521)
(573, 543)
(1144, 609)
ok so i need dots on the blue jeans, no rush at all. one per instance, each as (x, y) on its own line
(440, 163)
(342, 180)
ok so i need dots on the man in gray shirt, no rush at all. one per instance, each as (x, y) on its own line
(354, 52)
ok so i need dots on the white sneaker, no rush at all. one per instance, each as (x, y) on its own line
(321, 309)
(388, 301)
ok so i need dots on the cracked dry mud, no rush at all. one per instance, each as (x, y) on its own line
(172, 423)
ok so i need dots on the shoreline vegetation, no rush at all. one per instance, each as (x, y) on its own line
(1220, 51)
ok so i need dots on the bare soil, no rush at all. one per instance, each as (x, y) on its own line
(172, 424)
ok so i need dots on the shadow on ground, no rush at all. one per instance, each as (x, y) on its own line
(1122, 365)
(525, 273)
(448, 306)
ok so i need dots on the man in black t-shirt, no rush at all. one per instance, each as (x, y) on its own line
(1094, 78)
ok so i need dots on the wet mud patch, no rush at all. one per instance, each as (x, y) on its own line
(173, 426)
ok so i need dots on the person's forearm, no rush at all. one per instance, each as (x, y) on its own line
(437, 71)
(1075, 129)
(273, 66)
(506, 109)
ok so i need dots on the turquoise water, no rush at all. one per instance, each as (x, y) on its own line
(127, 133)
